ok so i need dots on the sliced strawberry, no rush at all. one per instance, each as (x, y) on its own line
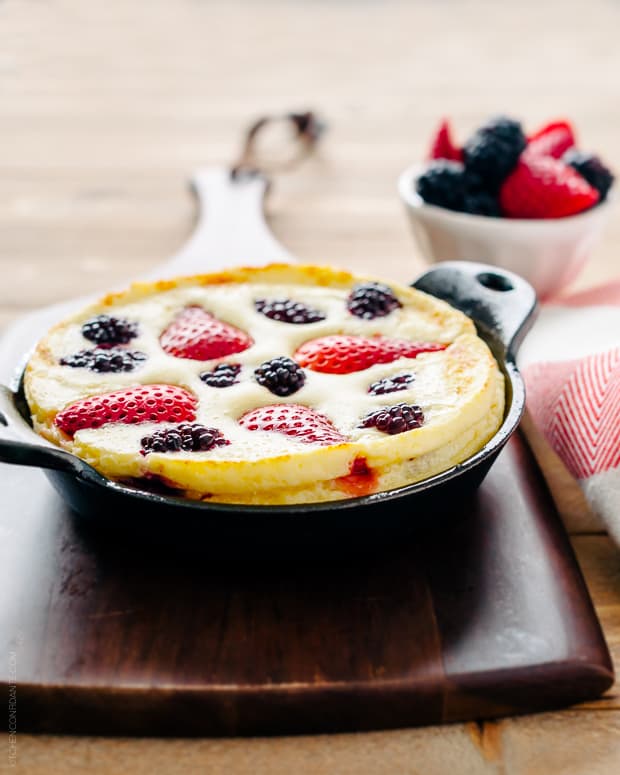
(553, 139)
(142, 403)
(341, 354)
(551, 126)
(443, 147)
(196, 334)
(542, 187)
(296, 420)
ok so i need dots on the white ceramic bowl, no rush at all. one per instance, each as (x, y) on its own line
(548, 253)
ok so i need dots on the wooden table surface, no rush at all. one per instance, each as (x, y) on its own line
(106, 108)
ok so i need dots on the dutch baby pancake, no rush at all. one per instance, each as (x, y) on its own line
(281, 384)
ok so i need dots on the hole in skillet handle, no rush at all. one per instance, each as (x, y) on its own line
(495, 282)
(308, 128)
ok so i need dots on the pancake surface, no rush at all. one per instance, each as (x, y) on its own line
(455, 391)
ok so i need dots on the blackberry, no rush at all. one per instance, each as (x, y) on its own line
(372, 300)
(108, 330)
(287, 311)
(186, 437)
(391, 384)
(493, 150)
(223, 375)
(481, 203)
(105, 360)
(443, 183)
(395, 419)
(592, 169)
(281, 376)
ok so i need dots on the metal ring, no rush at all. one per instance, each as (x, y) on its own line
(308, 130)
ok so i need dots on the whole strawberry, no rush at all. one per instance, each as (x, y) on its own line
(339, 354)
(543, 187)
(139, 404)
(294, 420)
(197, 335)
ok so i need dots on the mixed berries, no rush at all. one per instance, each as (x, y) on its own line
(223, 375)
(109, 333)
(185, 437)
(105, 360)
(445, 184)
(395, 419)
(198, 335)
(391, 384)
(372, 300)
(281, 375)
(106, 330)
(500, 171)
(288, 311)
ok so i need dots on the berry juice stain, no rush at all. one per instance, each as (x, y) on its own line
(361, 480)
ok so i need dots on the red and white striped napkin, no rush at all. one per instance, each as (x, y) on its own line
(571, 364)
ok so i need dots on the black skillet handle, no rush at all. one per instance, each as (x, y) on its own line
(17, 451)
(500, 301)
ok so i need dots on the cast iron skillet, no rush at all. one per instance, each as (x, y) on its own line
(502, 306)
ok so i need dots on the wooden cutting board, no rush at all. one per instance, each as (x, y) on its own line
(483, 617)
(486, 615)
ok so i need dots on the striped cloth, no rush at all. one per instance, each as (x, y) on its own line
(571, 365)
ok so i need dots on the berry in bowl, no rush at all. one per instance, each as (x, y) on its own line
(533, 204)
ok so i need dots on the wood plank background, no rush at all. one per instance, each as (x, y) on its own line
(105, 108)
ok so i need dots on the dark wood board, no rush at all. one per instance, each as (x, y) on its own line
(483, 617)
